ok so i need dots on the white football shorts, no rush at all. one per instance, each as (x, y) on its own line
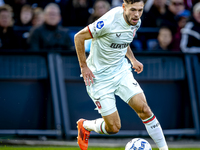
(103, 92)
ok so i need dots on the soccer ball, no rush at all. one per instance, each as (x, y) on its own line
(138, 144)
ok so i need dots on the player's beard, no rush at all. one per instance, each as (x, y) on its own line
(127, 20)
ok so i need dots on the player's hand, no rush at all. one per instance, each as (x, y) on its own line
(87, 75)
(138, 66)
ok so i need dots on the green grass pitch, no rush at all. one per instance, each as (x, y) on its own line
(76, 148)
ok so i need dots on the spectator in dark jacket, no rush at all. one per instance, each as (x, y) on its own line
(26, 15)
(190, 41)
(76, 12)
(100, 8)
(154, 17)
(38, 16)
(182, 19)
(24, 24)
(164, 40)
(50, 36)
(175, 7)
(7, 35)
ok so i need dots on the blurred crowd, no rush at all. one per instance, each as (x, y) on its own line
(45, 24)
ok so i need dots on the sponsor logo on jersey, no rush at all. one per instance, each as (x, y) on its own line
(119, 46)
(135, 84)
(118, 35)
(100, 24)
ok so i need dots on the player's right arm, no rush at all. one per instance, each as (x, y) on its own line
(79, 40)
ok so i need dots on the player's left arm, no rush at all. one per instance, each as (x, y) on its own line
(138, 66)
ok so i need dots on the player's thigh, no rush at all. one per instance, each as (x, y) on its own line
(139, 104)
(137, 101)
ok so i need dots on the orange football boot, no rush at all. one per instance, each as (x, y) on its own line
(83, 135)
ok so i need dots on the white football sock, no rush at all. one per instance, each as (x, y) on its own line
(164, 148)
(97, 125)
(155, 131)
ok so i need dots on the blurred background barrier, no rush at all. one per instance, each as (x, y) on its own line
(42, 94)
(29, 100)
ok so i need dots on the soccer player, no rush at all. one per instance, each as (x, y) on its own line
(106, 72)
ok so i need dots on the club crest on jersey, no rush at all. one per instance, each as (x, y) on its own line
(134, 32)
(98, 104)
(100, 24)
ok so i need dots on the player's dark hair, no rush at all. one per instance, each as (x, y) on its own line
(134, 1)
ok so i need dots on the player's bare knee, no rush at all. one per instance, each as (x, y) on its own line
(118, 127)
(114, 129)
(145, 112)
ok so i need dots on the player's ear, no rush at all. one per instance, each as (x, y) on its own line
(124, 6)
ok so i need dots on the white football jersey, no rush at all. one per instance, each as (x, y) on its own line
(111, 36)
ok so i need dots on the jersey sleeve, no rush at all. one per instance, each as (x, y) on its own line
(99, 28)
